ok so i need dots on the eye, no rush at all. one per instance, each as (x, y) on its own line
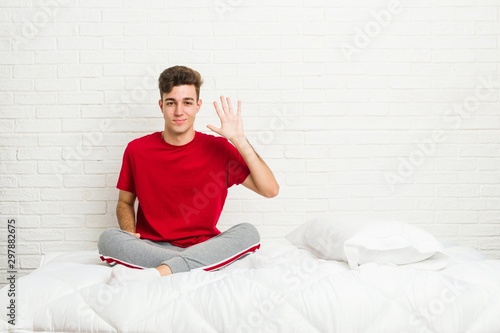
(169, 103)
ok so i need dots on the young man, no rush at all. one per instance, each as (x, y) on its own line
(180, 178)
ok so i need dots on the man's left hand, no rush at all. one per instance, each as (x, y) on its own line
(231, 123)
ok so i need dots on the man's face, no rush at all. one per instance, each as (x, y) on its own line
(179, 108)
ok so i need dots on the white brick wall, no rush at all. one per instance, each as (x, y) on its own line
(384, 107)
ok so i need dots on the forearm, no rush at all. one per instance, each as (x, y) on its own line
(125, 214)
(262, 175)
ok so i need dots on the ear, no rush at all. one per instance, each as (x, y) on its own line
(160, 103)
(199, 105)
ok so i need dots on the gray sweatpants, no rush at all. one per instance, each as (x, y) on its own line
(120, 247)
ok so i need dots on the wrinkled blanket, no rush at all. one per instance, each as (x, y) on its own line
(278, 289)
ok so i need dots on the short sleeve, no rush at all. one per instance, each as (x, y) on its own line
(126, 178)
(236, 168)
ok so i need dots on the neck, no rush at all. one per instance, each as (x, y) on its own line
(178, 139)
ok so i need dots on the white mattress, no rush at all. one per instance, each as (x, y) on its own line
(278, 289)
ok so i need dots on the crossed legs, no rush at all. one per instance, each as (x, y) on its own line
(119, 247)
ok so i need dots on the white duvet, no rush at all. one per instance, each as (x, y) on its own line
(278, 289)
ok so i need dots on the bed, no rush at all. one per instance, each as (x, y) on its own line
(326, 276)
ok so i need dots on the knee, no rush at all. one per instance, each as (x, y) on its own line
(250, 233)
(107, 238)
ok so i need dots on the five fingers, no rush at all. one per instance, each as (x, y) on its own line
(225, 112)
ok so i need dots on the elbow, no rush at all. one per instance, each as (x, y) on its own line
(272, 191)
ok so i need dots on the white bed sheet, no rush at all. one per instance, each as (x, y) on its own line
(280, 288)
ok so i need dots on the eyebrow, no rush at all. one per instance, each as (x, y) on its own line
(184, 99)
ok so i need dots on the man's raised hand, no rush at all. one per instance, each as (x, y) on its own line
(231, 123)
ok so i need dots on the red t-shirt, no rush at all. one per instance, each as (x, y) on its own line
(181, 190)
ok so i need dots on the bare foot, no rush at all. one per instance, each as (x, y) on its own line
(164, 270)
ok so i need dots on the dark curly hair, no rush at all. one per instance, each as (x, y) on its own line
(178, 76)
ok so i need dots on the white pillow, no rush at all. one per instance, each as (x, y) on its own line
(360, 240)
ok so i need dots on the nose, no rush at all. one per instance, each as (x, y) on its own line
(178, 110)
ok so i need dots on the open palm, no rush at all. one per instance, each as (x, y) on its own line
(231, 123)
